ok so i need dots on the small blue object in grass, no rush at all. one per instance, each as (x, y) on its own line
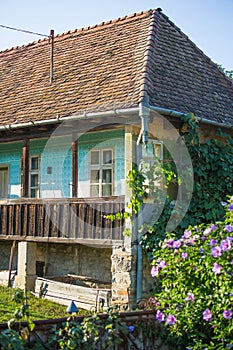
(72, 308)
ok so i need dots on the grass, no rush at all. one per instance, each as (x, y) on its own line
(39, 309)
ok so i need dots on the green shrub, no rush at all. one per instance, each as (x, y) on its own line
(194, 284)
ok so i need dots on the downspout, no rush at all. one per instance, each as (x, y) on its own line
(144, 113)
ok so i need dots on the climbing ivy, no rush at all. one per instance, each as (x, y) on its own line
(212, 160)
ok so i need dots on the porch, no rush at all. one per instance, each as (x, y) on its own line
(63, 220)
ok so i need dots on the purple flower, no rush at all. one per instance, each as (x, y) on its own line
(160, 316)
(171, 320)
(201, 250)
(227, 314)
(169, 243)
(217, 269)
(229, 228)
(213, 242)
(230, 207)
(216, 251)
(130, 329)
(190, 297)
(225, 244)
(154, 271)
(162, 264)
(184, 255)
(177, 244)
(207, 316)
(224, 204)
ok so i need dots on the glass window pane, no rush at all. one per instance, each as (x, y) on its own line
(107, 157)
(94, 190)
(107, 176)
(106, 190)
(95, 157)
(95, 176)
(33, 193)
(34, 180)
(34, 163)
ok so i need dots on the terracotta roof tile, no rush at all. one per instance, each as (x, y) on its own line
(112, 65)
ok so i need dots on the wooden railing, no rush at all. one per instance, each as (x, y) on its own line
(62, 219)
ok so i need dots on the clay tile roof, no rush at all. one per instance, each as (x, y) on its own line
(113, 65)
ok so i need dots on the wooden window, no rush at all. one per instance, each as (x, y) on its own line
(101, 172)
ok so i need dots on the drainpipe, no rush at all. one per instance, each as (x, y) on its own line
(144, 113)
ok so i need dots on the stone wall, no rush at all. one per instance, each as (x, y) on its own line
(61, 259)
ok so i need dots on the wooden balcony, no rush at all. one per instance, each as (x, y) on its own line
(80, 220)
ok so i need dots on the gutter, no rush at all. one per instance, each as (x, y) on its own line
(57, 120)
(172, 113)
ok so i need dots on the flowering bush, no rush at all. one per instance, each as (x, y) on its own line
(194, 289)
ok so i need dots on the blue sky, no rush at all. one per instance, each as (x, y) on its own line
(208, 23)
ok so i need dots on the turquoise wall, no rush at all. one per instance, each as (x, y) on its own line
(10, 154)
(56, 162)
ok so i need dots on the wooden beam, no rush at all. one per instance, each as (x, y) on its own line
(74, 166)
(25, 168)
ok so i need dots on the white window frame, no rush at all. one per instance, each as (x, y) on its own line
(33, 172)
(101, 167)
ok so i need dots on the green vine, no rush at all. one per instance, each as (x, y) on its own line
(145, 181)
(212, 160)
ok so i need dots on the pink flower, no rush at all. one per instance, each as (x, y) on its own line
(190, 297)
(162, 264)
(187, 234)
(216, 251)
(160, 316)
(177, 244)
(207, 316)
(184, 255)
(171, 320)
(225, 244)
(216, 269)
(154, 271)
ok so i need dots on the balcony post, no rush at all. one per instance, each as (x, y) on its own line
(74, 166)
(25, 168)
